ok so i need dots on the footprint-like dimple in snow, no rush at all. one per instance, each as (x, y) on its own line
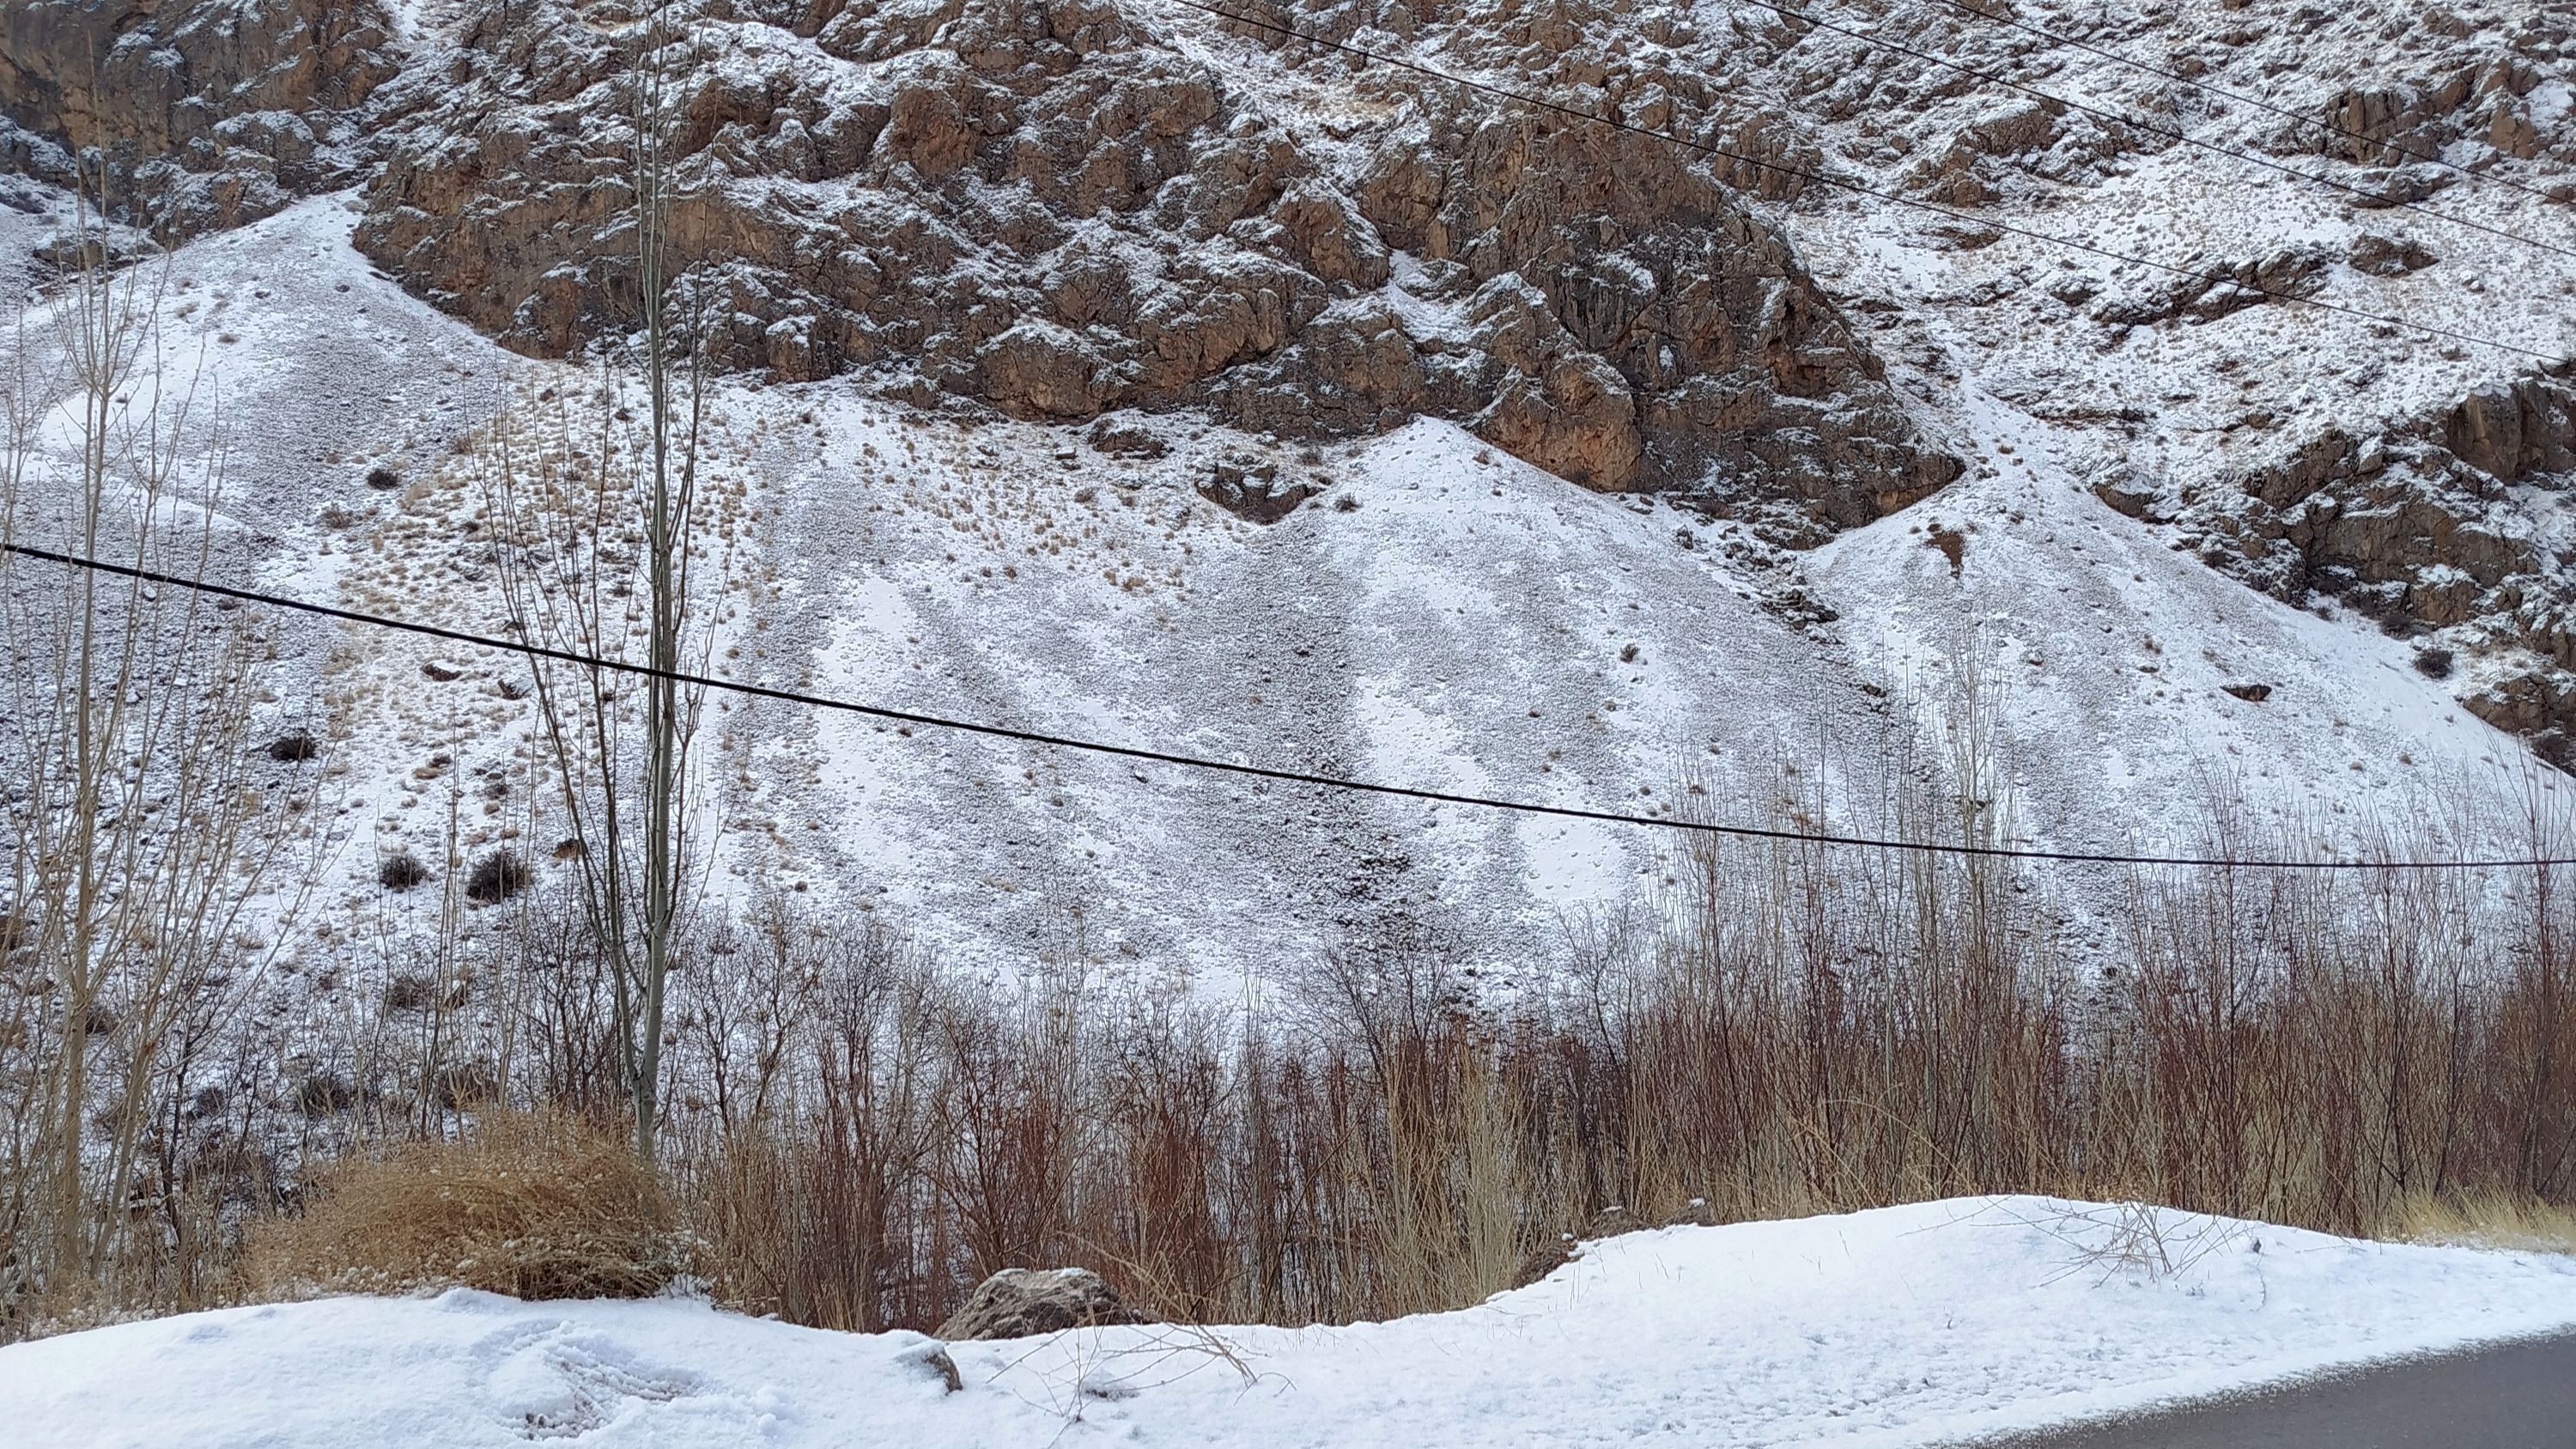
(562, 1383)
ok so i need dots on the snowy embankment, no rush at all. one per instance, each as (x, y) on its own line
(1923, 1324)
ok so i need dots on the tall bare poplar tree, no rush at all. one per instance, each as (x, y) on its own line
(596, 511)
(666, 548)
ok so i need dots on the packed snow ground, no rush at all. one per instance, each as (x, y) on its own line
(1932, 1323)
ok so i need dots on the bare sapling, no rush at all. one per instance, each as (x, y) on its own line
(601, 557)
(139, 833)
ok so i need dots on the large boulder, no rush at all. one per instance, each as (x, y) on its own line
(1024, 1302)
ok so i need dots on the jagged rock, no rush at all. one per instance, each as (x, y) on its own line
(1178, 247)
(2040, 137)
(2403, 185)
(2389, 125)
(2398, 532)
(2512, 430)
(1039, 208)
(1127, 440)
(2382, 256)
(1022, 1302)
(2538, 703)
(207, 114)
(1724, 359)
(2134, 497)
(2210, 289)
(1254, 491)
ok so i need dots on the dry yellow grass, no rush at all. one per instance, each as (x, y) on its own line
(2531, 1227)
(531, 1206)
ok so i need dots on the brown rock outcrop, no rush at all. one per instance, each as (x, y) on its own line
(207, 115)
(1032, 207)
(1025, 1302)
(2408, 529)
(1028, 207)
(2515, 429)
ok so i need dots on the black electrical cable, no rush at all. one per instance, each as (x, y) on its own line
(1195, 762)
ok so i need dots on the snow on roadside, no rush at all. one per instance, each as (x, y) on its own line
(1909, 1325)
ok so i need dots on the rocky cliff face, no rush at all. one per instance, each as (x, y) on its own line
(1045, 209)
(2331, 460)
(206, 115)
(1066, 211)
(2420, 528)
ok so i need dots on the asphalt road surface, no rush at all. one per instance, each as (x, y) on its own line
(2517, 1396)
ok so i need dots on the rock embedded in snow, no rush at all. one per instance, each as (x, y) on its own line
(1026, 1302)
(1254, 491)
(2382, 256)
(932, 1358)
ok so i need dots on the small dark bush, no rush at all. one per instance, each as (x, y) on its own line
(401, 872)
(2433, 663)
(324, 1093)
(383, 478)
(465, 1085)
(293, 748)
(408, 993)
(496, 877)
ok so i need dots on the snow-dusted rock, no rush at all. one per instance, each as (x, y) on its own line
(1026, 1302)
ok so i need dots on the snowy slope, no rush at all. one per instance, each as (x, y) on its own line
(1901, 1326)
(1440, 615)
(2109, 655)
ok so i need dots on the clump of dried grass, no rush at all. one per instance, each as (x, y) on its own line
(2519, 1224)
(534, 1206)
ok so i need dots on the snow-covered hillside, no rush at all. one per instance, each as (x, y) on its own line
(2205, 545)
(1927, 1324)
(1439, 614)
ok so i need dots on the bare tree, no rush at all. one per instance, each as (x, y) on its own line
(136, 843)
(667, 555)
(596, 509)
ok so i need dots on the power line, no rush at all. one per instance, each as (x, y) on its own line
(2113, 56)
(1229, 767)
(1871, 37)
(1821, 179)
